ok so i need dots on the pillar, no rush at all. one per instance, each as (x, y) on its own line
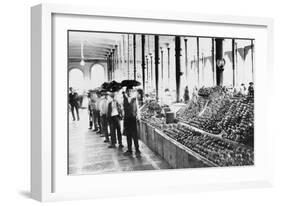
(213, 61)
(178, 66)
(233, 62)
(198, 61)
(134, 56)
(219, 56)
(186, 60)
(252, 58)
(128, 55)
(143, 61)
(147, 69)
(156, 61)
(168, 51)
(162, 65)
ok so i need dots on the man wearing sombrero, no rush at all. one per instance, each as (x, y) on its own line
(131, 113)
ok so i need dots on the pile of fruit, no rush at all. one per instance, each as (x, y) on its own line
(191, 110)
(204, 91)
(158, 123)
(238, 122)
(215, 150)
(150, 109)
(212, 115)
(154, 114)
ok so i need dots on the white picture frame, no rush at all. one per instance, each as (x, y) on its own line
(46, 178)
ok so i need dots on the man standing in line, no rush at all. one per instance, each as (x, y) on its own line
(103, 106)
(115, 114)
(97, 121)
(91, 106)
(73, 101)
(131, 113)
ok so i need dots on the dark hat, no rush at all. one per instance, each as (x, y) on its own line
(130, 83)
(105, 86)
(251, 83)
(103, 92)
(114, 86)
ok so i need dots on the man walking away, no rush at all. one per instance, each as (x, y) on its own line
(73, 101)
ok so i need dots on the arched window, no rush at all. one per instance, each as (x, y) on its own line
(76, 79)
(97, 75)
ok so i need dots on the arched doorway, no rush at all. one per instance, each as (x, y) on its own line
(97, 75)
(76, 80)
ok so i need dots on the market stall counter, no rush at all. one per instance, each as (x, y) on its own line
(176, 154)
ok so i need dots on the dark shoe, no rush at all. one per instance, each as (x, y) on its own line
(120, 146)
(90, 127)
(106, 140)
(127, 153)
(95, 130)
(138, 152)
(112, 146)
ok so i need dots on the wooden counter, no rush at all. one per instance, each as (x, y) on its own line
(176, 154)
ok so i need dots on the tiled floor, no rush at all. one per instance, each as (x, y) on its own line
(88, 154)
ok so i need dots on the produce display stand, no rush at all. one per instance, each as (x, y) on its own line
(176, 154)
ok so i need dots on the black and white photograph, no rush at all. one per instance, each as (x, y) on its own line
(140, 102)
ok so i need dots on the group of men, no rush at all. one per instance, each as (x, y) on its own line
(107, 111)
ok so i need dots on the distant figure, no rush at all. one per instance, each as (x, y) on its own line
(140, 97)
(186, 94)
(251, 89)
(168, 99)
(73, 102)
(243, 89)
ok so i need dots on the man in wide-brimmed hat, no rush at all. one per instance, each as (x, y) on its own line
(131, 113)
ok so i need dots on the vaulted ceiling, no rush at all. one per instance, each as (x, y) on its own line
(95, 45)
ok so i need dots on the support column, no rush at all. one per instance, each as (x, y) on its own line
(233, 62)
(168, 49)
(134, 56)
(186, 59)
(162, 65)
(128, 50)
(143, 61)
(123, 56)
(108, 67)
(113, 64)
(147, 70)
(178, 66)
(198, 60)
(252, 58)
(151, 71)
(213, 61)
(156, 61)
(219, 57)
